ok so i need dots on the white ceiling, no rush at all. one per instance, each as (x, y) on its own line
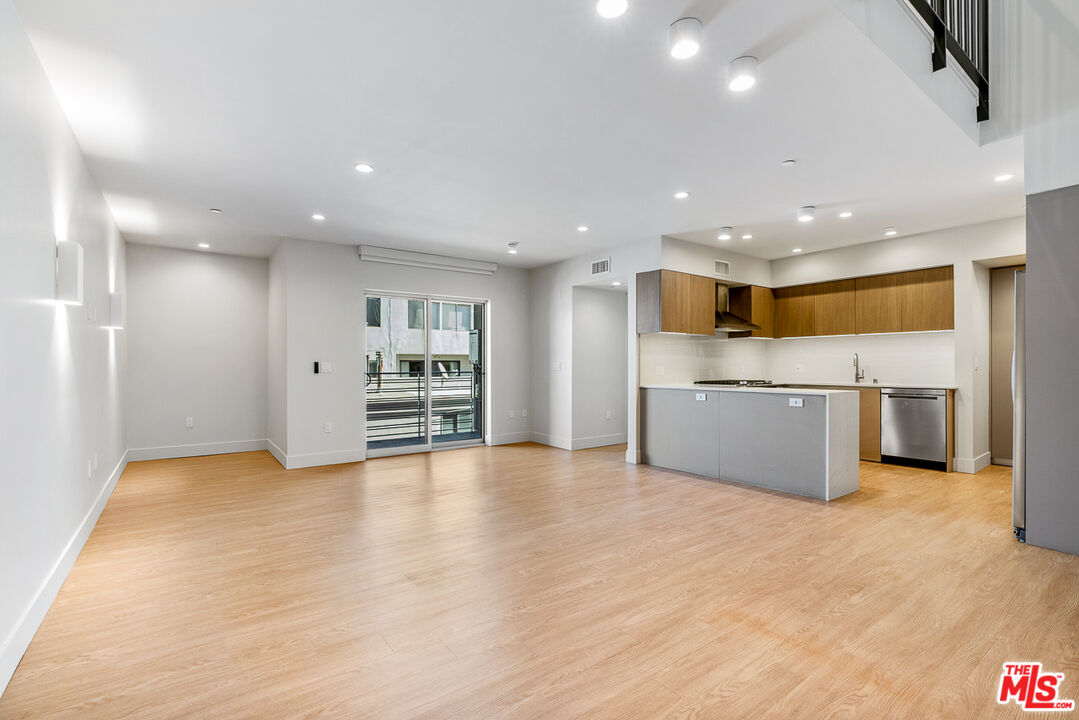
(491, 121)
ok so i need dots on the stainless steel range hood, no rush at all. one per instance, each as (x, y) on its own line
(725, 319)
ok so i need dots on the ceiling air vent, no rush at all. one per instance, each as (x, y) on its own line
(601, 267)
(723, 268)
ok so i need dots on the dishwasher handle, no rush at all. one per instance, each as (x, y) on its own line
(912, 397)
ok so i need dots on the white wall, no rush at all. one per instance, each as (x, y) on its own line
(62, 378)
(962, 247)
(276, 359)
(325, 320)
(600, 367)
(197, 347)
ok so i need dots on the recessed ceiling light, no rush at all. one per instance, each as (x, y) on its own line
(889, 231)
(789, 163)
(582, 228)
(216, 210)
(796, 250)
(742, 73)
(511, 248)
(806, 213)
(204, 246)
(685, 38)
(725, 233)
(611, 8)
(1004, 178)
(318, 217)
(616, 283)
(364, 168)
(681, 195)
(747, 236)
(845, 214)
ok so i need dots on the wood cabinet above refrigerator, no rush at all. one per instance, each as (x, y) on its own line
(675, 302)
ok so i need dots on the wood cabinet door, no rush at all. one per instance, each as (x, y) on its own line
(869, 424)
(834, 308)
(688, 303)
(756, 304)
(927, 299)
(794, 311)
(702, 310)
(877, 304)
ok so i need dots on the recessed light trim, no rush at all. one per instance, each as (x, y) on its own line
(788, 163)
(204, 246)
(796, 250)
(889, 231)
(1003, 178)
(747, 236)
(318, 217)
(684, 38)
(582, 228)
(216, 211)
(611, 9)
(616, 283)
(365, 168)
(742, 73)
(725, 233)
(681, 195)
(846, 214)
(806, 213)
(511, 248)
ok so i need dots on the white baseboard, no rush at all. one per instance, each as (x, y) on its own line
(16, 643)
(552, 440)
(278, 453)
(337, 457)
(598, 441)
(509, 438)
(971, 465)
(194, 450)
(1007, 462)
(633, 456)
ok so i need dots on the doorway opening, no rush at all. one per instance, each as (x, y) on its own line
(1001, 346)
(425, 381)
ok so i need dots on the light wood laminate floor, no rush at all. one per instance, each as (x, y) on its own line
(524, 581)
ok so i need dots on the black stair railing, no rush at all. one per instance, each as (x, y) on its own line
(961, 28)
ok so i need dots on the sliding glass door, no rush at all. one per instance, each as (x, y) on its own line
(425, 372)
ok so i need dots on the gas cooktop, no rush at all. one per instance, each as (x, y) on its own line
(736, 383)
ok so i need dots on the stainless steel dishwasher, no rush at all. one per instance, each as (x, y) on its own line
(914, 427)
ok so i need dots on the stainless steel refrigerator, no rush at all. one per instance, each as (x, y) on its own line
(1019, 410)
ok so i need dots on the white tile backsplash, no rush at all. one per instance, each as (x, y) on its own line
(902, 359)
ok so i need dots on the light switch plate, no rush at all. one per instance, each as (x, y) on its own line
(327, 428)
(797, 402)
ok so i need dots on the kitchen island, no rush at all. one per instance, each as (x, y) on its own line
(801, 441)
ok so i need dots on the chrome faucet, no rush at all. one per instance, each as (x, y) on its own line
(859, 375)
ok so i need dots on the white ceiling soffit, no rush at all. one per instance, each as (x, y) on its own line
(425, 260)
(489, 122)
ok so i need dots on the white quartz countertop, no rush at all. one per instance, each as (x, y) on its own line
(902, 386)
(722, 388)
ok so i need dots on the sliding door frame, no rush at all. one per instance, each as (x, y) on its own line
(429, 445)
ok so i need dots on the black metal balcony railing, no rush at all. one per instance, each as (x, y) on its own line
(396, 407)
(961, 28)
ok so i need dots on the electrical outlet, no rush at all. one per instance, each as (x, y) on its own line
(524, 413)
(95, 462)
(189, 423)
(797, 402)
(702, 397)
(327, 428)
(513, 414)
(799, 368)
(89, 469)
(326, 367)
(608, 415)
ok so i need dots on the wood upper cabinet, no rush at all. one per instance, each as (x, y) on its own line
(834, 308)
(756, 304)
(794, 310)
(877, 304)
(675, 302)
(927, 299)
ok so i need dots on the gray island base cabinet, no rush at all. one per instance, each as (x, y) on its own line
(803, 442)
